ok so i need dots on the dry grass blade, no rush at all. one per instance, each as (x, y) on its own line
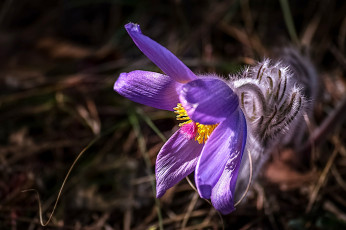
(249, 183)
(142, 146)
(289, 21)
(310, 129)
(323, 177)
(329, 124)
(338, 177)
(189, 210)
(194, 188)
(61, 188)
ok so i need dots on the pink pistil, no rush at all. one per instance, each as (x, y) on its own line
(189, 130)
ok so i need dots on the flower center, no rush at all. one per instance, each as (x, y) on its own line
(192, 129)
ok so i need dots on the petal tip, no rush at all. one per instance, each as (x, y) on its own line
(160, 192)
(161, 56)
(133, 27)
(119, 83)
(227, 210)
(158, 195)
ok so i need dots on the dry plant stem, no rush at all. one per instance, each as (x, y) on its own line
(249, 183)
(310, 31)
(215, 14)
(338, 178)
(330, 207)
(177, 218)
(73, 81)
(191, 184)
(289, 21)
(189, 210)
(310, 129)
(66, 177)
(151, 124)
(194, 188)
(207, 219)
(128, 213)
(339, 56)
(323, 176)
(32, 223)
(142, 147)
(260, 196)
(61, 188)
(320, 134)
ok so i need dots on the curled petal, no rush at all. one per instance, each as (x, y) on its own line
(208, 100)
(222, 152)
(222, 196)
(148, 88)
(176, 160)
(161, 56)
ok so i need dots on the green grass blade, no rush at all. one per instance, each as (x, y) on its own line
(289, 21)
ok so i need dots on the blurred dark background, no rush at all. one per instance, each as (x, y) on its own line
(58, 63)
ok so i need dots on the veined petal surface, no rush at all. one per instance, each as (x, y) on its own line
(223, 151)
(222, 196)
(176, 160)
(208, 100)
(148, 88)
(161, 56)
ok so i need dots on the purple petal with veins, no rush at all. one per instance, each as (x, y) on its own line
(208, 100)
(223, 192)
(148, 88)
(161, 56)
(225, 143)
(176, 160)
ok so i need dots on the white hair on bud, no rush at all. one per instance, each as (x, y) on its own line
(273, 104)
(270, 99)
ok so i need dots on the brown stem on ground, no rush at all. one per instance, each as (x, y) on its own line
(329, 124)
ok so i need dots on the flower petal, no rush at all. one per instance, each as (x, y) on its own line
(148, 88)
(161, 56)
(222, 196)
(223, 149)
(176, 160)
(208, 100)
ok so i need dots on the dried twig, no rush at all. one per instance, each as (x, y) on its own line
(322, 179)
(336, 118)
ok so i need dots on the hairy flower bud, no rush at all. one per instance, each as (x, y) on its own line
(273, 103)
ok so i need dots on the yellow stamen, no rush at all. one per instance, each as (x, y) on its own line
(203, 131)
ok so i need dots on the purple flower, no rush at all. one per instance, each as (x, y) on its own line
(212, 137)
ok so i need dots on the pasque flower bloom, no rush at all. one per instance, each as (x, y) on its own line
(212, 137)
